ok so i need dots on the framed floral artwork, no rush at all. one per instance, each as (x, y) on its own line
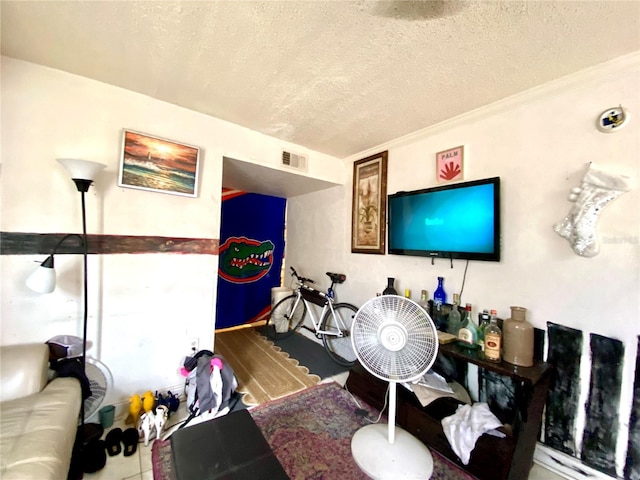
(369, 213)
(450, 165)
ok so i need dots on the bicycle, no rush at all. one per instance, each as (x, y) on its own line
(334, 328)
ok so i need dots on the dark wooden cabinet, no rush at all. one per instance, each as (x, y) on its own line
(493, 458)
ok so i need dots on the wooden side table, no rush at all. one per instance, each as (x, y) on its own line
(493, 458)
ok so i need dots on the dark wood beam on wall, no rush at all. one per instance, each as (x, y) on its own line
(20, 243)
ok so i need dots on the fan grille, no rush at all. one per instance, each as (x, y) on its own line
(394, 338)
(100, 380)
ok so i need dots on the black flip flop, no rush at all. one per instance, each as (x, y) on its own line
(112, 442)
(130, 440)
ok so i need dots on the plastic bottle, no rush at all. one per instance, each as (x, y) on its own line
(468, 334)
(493, 340)
(407, 293)
(454, 322)
(439, 295)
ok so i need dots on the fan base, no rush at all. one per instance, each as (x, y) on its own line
(407, 457)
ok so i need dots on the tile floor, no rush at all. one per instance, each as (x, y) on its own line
(138, 466)
(119, 467)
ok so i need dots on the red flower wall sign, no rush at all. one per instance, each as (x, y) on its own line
(449, 164)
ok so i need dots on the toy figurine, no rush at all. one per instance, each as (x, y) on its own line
(135, 408)
(148, 401)
(160, 420)
(145, 425)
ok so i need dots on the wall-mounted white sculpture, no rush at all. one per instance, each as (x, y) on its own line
(596, 190)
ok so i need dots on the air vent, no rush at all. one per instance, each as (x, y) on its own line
(294, 160)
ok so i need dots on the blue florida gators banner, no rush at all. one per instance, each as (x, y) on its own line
(250, 256)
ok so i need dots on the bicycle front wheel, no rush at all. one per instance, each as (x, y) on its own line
(338, 347)
(286, 316)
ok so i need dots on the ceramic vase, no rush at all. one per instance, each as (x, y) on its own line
(517, 335)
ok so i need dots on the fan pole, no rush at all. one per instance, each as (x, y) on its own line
(392, 412)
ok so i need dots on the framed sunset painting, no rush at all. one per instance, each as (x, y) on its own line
(158, 165)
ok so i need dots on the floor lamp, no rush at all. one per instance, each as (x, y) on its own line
(43, 280)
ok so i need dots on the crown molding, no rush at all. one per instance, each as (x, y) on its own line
(584, 78)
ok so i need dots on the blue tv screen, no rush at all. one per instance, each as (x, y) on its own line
(452, 221)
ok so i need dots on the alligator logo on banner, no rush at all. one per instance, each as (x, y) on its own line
(245, 260)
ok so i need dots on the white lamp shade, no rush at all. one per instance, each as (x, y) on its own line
(42, 280)
(82, 169)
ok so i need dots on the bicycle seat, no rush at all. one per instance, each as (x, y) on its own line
(337, 277)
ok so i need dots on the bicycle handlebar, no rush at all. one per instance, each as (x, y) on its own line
(301, 279)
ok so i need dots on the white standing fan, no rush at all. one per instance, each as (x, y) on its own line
(395, 340)
(100, 381)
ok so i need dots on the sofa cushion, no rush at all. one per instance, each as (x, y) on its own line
(23, 370)
(37, 432)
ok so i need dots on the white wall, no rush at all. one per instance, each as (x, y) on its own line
(143, 309)
(539, 143)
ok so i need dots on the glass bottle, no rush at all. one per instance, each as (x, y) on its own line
(468, 333)
(492, 340)
(518, 338)
(390, 290)
(424, 300)
(407, 293)
(455, 319)
(483, 320)
(424, 303)
(466, 314)
(439, 295)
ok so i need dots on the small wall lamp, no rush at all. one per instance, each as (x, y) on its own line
(43, 280)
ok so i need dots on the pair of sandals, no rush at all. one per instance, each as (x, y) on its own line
(116, 438)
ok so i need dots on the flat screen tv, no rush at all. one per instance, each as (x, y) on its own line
(459, 220)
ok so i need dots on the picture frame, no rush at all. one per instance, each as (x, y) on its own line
(369, 210)
(157, 164)
(450, 165)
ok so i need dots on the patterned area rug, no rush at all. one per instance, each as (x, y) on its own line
(310, 433)
(264, 372)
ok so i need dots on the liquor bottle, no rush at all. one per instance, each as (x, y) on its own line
(439, 295)
(390, 290)
(466, 314)
(492, 340)
(455, 319)
(483, 320)
(424, 300)
(468, 333)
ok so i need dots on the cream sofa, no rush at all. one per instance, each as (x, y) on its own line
(38, 418)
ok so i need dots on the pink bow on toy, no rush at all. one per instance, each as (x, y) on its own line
(215, 362)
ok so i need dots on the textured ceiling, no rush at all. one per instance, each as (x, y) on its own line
(334, 76)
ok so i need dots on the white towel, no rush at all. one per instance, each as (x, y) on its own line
(464, 427)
